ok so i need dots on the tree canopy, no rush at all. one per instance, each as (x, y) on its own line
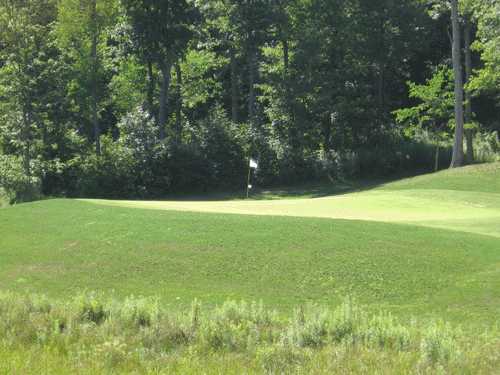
(144, 98)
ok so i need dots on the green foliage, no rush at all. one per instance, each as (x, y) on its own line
(200, 84)
(14, 183)
(90, 308)
(435, 111)
(486, 13)
(439, 344)
(487, 147)
(309, 86)
(163, 30)
(107, 175)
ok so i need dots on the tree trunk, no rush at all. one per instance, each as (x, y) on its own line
(95, 62)
(178, 110)
(458, 146)
(26, 138)
(468, 97)
(252, 79)
(251, 88)
(234, 87)
(165, 86)
(286, 56)
(380, 90)
(436, 159)
(151, 90)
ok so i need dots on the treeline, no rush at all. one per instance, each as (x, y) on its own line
(142, 98)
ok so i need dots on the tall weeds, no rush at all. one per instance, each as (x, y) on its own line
(139, 334)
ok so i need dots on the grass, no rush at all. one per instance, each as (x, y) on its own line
(4, 202)
(466, 200)
(89, 334)
(476, 178)
(422, 249)
(61, 246)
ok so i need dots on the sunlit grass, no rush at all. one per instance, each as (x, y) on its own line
(91, 334)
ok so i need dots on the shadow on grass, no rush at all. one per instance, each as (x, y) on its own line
(306, 190)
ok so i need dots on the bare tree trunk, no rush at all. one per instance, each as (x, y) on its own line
(251, 84)
(380, 89)
(165, 86)
(458, 146)
(26, 138)
(178, 110)
(468, 97)
(95, 62)
(234, 87)
(286, 55)
(436, 159)
(151, 90)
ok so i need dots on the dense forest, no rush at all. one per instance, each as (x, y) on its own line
(145, 98)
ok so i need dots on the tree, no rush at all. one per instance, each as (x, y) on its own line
(434, 112)
(458, 146)
(468, 94)
(27, 60)
(162, 30)
(487, 78)
(251, 20)
(81, 27)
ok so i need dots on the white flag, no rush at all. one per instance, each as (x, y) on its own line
(253, 164)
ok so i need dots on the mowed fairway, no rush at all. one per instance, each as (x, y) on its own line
(423, 247)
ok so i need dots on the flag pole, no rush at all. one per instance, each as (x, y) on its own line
(248, 179)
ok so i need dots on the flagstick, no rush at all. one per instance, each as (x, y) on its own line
(248, 179)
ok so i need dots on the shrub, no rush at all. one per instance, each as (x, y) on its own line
(90, 308)
(222, 144)
(110, 175)
(140, 334)
(281, 358)
(384, 332)
(438, 344)
(487, 147)
(308, 330)
(14, 183)
(345, 321)
(141, 312)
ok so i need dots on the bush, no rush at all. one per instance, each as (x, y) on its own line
(143, 335)
(438, 344)
(14, 183)
(141, 312)
(281, 358)
(308, 331)
(220, 145)
(91, 308)
(487, 147)
(110, 175)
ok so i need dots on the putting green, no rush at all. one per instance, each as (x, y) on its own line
(468, 211)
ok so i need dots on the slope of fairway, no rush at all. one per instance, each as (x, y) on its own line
(62, 246)
(475, 178)
(466, 199)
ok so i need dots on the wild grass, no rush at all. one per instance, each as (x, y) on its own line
(4, 201)
(93, 334)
